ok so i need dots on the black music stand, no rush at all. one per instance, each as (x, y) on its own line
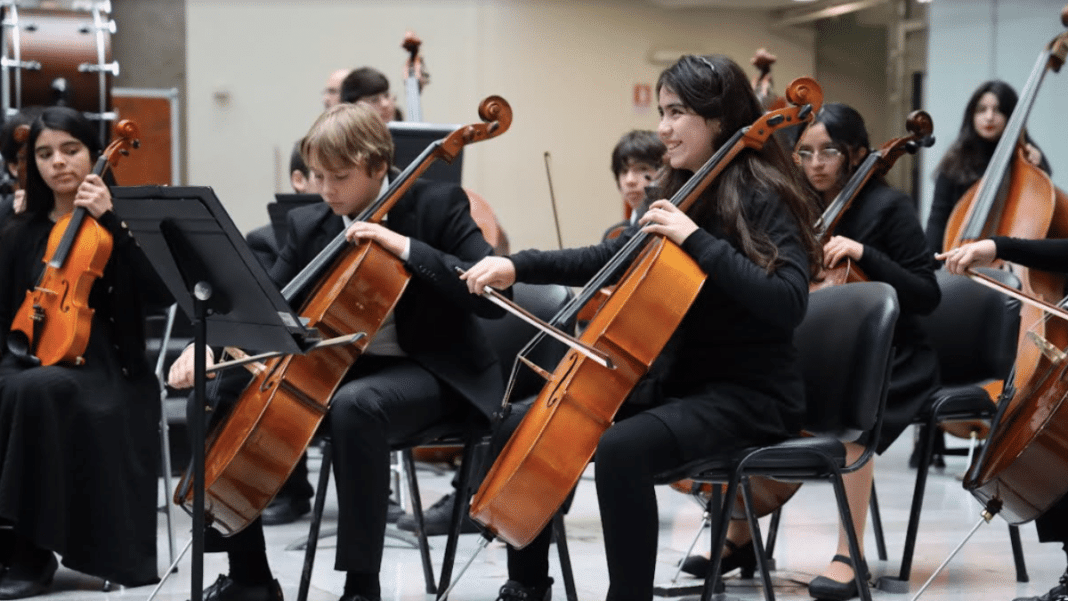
(214, 277)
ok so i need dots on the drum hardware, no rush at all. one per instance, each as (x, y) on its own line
(58, 57)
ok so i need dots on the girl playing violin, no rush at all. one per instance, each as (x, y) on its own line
(881, 233)
(729, 377)
(80, 451)
(985, 117)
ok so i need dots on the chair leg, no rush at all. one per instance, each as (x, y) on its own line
(718, 535)
(758, 545)
(927, 434)
(420, 525)
(317, 518)
(773, 535)
(560, 536)
(877, 523)
(1017, 554)
(860, 565)
(459, 511)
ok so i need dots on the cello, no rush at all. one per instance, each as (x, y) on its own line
(1015, 198)
(1029, 438)
(547, 453)
(250, 454)
(54, 321)
(876, 165)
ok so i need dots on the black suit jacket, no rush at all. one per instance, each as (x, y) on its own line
(435, 316)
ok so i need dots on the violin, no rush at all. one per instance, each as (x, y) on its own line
(876, 165)
(1015, 198)
(557, 438)
(54, 322)
(251, 453)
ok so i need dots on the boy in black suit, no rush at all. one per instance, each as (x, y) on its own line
(429, 362)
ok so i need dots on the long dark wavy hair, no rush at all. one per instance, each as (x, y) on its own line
(967, 158)
(39, 198)
(715, 87)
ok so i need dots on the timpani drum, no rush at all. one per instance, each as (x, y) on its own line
(58, 57)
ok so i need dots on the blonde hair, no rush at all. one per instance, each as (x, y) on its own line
(346, 135)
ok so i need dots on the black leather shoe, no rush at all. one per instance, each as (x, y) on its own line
(514, 590)
(741, 556)
(227, 589)
(356, 598)
(1057, 593)
(17, 583)
(436, 519)
(285, 510)
(822, 587)
(394, 512)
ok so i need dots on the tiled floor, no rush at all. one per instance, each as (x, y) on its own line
(982, 571)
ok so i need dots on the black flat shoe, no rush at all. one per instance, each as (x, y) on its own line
(17, 584)
(742, 556)
(228, 589)
(823, 587)
(285, 510)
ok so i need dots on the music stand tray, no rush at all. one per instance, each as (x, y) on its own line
(189, 237)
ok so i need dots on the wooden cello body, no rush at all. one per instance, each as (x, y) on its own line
(251, 453)
(54, 321)
(1015, 198)
(543, 460)
(1020, 471)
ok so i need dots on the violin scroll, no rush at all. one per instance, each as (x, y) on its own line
(126, 138)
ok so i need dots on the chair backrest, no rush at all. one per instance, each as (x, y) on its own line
(844, 344)
(974, 330)
(509, 334)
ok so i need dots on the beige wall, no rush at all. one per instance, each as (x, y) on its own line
(255, 71)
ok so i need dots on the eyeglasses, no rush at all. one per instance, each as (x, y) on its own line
(825, 154)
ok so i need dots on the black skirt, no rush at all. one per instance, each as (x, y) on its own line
(79, 451)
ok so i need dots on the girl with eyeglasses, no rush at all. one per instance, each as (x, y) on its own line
(881, 233)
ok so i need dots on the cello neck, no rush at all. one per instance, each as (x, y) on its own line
(993, 185)
(411, 93)
(373, 214)
(833, 213)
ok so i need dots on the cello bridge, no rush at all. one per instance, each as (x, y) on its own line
(1049, 350)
